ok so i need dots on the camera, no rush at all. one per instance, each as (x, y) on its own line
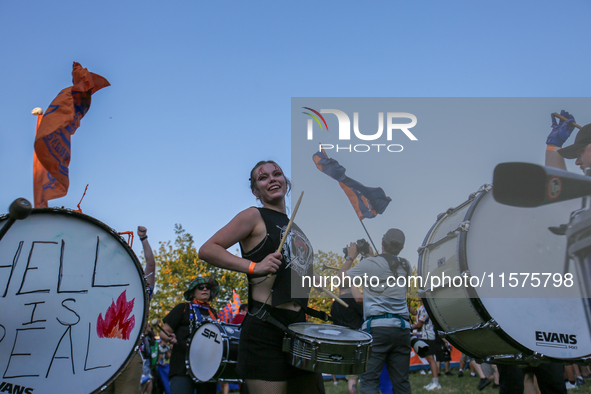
(420, 347)
(362, 247)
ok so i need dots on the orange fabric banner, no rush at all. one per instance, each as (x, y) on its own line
(52, 141)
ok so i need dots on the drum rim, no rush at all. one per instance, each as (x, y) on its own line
(299, 324)
(131, 253)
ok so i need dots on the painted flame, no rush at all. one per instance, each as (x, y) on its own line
(117, 322)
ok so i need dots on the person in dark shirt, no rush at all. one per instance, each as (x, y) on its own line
(178, 326)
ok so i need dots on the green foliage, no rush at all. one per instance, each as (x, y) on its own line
(325, 265)
(177, 265)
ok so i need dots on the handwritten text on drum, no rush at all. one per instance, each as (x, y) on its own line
(69, 339)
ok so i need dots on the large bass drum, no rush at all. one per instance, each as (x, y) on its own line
(500, 316)
(73, 301)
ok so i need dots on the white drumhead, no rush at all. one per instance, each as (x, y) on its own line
(329, 332)
(505, 240)
(73, 303)
(206, 351)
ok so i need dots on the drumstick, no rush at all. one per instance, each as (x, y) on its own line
(336, 298)
(155, 323)
(295, 210)
(565, 119)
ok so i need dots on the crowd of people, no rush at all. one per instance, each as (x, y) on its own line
(275, 302)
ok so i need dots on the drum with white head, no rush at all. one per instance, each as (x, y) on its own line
(212, 352)
(511, 311)
(73, 301)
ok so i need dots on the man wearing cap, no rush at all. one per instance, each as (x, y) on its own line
(386, 313)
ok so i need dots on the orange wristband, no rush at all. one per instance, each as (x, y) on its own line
(251, 267)
(554, 148)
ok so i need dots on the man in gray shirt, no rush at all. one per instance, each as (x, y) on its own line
(386, 313)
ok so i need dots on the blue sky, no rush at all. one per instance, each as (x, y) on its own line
(201, 91)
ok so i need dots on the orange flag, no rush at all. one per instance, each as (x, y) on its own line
(52, 142)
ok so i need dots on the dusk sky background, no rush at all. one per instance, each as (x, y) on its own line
(201, 91)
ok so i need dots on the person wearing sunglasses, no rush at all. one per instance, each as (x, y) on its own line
(178, 327)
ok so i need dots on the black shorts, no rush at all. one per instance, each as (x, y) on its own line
(442, 353)
(260, 356)
(432, 347)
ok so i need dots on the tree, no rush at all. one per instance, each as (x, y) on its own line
(177, 265)
(326, 265)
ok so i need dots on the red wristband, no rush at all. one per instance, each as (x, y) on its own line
(251, 267)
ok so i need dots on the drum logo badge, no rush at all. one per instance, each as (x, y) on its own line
(554, 188)
(336, 357)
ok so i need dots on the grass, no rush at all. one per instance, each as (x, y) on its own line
(449, 385)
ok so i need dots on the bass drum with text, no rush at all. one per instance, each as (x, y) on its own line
(73, 302)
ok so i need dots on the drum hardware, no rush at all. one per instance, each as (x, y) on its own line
(19, 209)
(489, 325)
(462, 227)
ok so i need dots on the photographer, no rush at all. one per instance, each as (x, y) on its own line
(386, 315)
(351, 316)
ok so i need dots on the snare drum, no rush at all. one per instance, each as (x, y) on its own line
(212, 352)
(73, 301)
(493, 321)
(327, 348)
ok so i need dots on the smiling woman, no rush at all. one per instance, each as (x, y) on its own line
(275, 301)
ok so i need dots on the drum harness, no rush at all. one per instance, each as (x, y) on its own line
(264, 313)
(393, 262)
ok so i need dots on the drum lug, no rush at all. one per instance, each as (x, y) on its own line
(314, 356)
(462, 227)
(484, 188)
(286, 344)
(492, 359)
(534, 360)
(491, 325)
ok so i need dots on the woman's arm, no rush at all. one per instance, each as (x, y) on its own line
(245, 227)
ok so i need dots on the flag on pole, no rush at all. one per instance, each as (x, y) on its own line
(52, 141)
(368, 202)
(227, 313)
